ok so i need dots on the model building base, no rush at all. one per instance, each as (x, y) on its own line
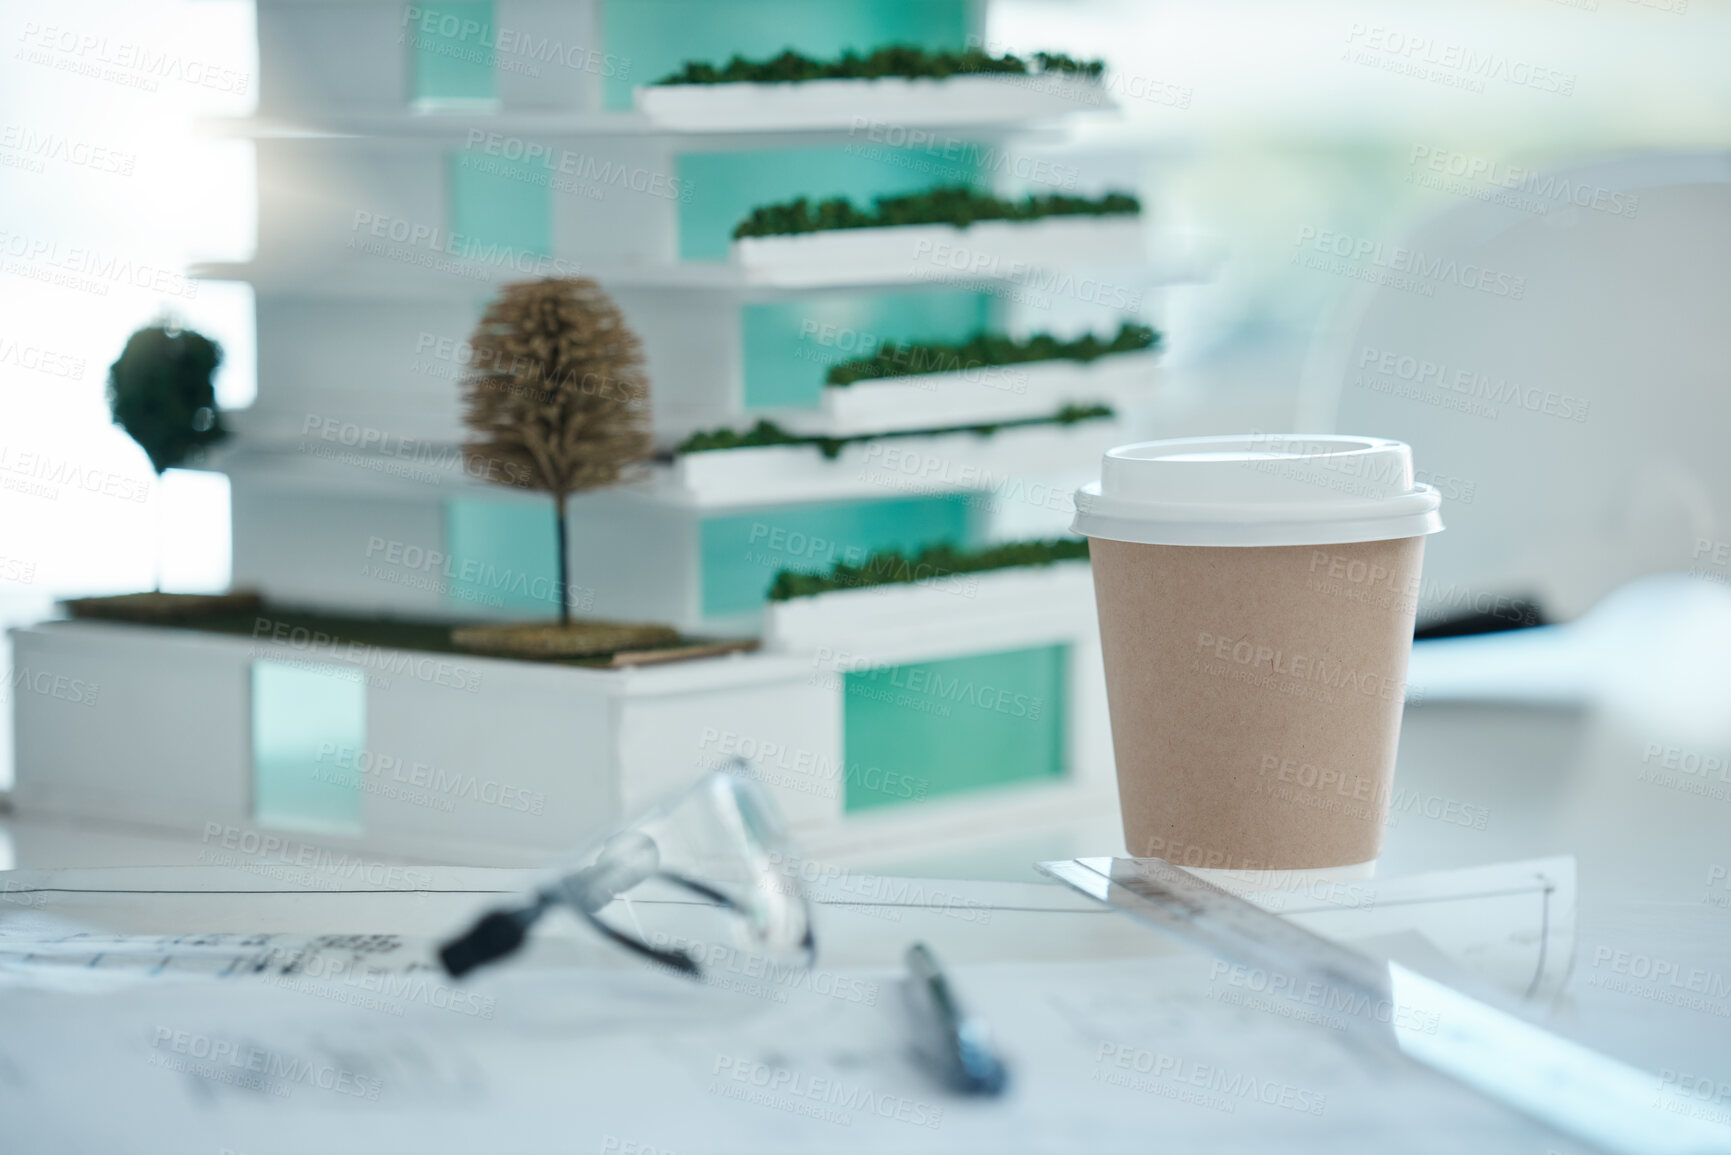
(868, 727)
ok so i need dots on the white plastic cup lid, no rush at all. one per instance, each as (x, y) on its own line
(1258, 489)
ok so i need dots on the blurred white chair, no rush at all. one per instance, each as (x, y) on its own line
(1561, 365)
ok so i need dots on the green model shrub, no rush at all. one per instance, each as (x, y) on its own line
(986, 350)
(930, 564)
(766, 433)
(956, 205)
(161, 391)
(895, 60)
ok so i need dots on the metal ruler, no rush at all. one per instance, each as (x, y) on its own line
(1561, 1084)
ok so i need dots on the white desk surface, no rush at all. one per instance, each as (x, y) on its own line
(1548, 780)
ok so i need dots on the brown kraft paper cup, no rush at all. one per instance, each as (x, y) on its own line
(1255, 696)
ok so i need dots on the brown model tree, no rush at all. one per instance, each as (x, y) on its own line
(556, 397)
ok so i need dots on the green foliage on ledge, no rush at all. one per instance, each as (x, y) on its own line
(931, 564)
(956, 205)
(987, 350)
(895, 60)
(766, 433)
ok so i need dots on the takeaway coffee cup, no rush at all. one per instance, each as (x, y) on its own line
(1256, 597)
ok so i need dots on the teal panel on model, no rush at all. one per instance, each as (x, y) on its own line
(503, 555)
(742, 553)
(309, 724)
(657, 37)
(790, 345)
(726, 186)
(450, 52)
(500, 210)
(945, 727)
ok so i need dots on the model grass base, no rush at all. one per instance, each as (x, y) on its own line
(162, 608)
(552, 640)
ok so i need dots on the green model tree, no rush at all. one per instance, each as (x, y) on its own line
(160, 391)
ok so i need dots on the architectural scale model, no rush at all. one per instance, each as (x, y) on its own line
(414, 158)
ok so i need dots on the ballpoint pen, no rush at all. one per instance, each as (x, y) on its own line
(954, 1043)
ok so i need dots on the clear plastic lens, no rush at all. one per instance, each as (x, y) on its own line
(695, 879)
